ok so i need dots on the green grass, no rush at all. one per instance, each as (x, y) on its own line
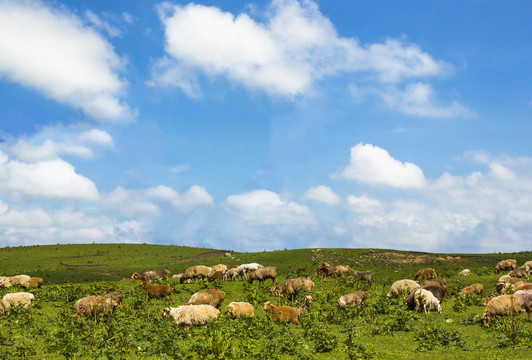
(381, 330)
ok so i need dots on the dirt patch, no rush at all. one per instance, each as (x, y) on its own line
(80, 256)
(102, 273)
(395, 257)
(203, 255)
(82, 266)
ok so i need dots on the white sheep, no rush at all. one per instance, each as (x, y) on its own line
(220, 267)
(192, 315)
(236, 310)
(195, 272)
(23, 299)
(527, 266)
(244, 269)
(354, 298)
(5, 282)
(401, 286)
(427, 300)
(20, 280)
(465, 272)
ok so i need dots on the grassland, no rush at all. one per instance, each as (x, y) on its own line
(381, 330)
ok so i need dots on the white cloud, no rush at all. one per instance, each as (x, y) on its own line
(50, 179)
(285, 55)
(418, 99)
(324, 194)
(78, 145)
(374, 166)
(263, 207)
(363, 204)
(102, 25)
(150, 202)
(51, 50)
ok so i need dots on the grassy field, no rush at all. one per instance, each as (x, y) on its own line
(382, 329)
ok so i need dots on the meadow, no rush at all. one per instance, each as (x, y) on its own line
(382, 329)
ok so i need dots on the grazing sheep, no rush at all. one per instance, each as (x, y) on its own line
(523, 285)
(20, 280)
(151, 275)
(422, 274)
(439, 292)
(487, 299)
(220, 267)
(231, 274)
(215, 275)
(501, 305)
(157, 291)
(263, 273)
(244, 269)
(343, 269)
(525, 300)
(354, 298)
(435, 282)
(192, 315)
(519, 273)
(115, 296)
(281, 313)
(293, 287)
(5, 282)
(505, 265)
(472, 289)
(307, 304)
(527, 266)
(94, 305)
(236, 310)
(400, 286)
(465, 272)
(213, 297)
(325, 270)
(426, 300)
(508, 279)
(36, 282)
(23, 299)
(366, 276)
(196, 272)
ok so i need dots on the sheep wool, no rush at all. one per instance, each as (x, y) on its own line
(20, 280)
(192, 315)
(354, 298)
(213, 297)
(236, 310)
(501, 305)
(23, 299)
(401, 286)
(426, 300)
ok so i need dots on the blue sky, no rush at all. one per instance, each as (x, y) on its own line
(267, 125)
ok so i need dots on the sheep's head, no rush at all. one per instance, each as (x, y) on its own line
(135, 276)
(275, 290)
(268, 305)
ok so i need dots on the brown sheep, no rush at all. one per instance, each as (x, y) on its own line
(519, 273)
(262, 274)
(36, 282)
(523, 286)
(366, 276)
(281, 313)
(472, 289)
(151, 275)
(157, 291)
(325, 270)
(293, 287)
(424, 274)
(435, 282)
(487, 299)
(501, 305)
(215, 275)
(94, 305)
(231, 274)
(505, 265)
(213, 297)
(196, 272)
(220, 267)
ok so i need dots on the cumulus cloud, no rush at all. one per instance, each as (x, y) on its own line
(51, 50)
(50, 179)
(295, 46)
(150, 202)
(76, 144)
(373, 165)
(323, 194)
(263, 207)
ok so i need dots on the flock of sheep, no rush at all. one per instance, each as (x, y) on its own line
(424, 293)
